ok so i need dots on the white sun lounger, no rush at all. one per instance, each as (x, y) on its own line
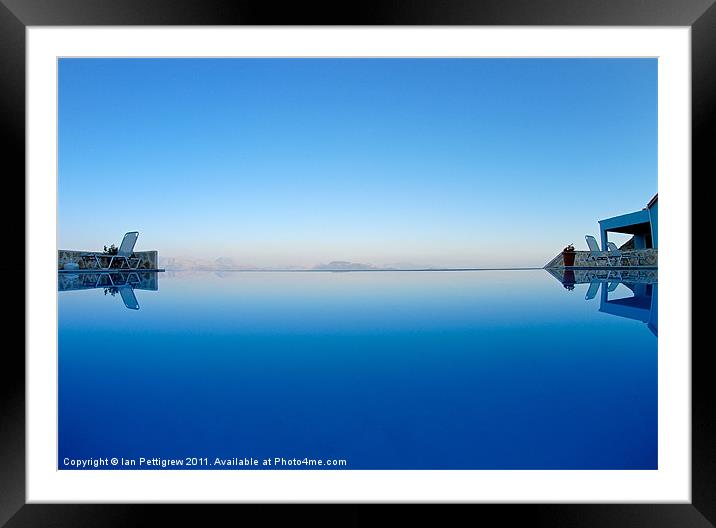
(597, 254)
(622, 255)
(123, 256)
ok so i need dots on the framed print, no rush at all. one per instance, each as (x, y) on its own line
(406, 257)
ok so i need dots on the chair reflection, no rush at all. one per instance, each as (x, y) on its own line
(122, 283)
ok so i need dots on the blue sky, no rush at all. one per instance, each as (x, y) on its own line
(295, 162)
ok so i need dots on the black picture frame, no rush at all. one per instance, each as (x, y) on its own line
(16, 15)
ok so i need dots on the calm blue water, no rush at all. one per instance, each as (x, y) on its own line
(386, 370)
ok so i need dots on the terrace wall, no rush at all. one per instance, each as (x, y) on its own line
(148, 260)
(649, 258)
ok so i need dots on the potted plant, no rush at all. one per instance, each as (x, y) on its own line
(568, 255)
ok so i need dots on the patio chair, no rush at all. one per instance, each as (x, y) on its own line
(623, 255)
(616, 253)
(124, 254)
(596, 254)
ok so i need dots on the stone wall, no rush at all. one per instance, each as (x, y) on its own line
(147, 259)
(634, 258)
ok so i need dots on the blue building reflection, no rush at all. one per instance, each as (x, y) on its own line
(643, 303)
(642, 306)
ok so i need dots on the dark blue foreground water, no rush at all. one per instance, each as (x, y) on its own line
(385, 370)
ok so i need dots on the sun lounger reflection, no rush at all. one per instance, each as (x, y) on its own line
(118, 283)
(127, 295)
(594, 288)
(122, 283)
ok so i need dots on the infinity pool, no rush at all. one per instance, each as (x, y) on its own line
(362, 370)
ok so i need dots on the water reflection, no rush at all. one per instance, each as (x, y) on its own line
(641, 303)
(114, 284)
(479, 369)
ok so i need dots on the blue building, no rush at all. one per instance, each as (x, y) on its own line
(644, 225)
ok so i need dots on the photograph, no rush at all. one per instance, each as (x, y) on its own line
(404, 253)
(358, 263)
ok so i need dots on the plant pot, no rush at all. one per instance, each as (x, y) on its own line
(568, 257)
